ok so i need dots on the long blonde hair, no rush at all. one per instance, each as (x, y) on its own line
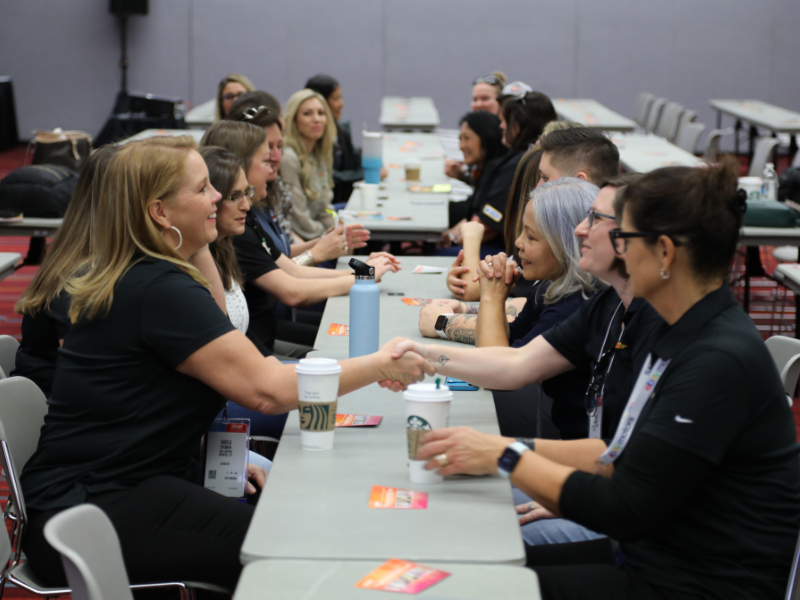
(139, 173)
(72, 244)
(323, 149)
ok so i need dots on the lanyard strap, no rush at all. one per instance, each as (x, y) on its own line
(596, 418)
(642, 392)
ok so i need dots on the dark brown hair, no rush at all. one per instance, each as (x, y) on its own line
(619, 182)
(223, 166)
(699, 206)
(525, 179)
(254, 100)
(526, 118)
(582, 149)
(243, 139)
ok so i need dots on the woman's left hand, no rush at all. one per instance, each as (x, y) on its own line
(532, 511)
(465, 450)
(497, 275)
(256, 474)
(357, 236)
(392, 258)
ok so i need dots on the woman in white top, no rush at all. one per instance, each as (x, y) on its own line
(307, 165)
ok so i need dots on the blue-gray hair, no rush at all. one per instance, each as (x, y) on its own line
(558, 207)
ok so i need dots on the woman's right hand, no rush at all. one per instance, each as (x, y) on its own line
(497, 275)
(455, 284)
(397, 370)
(452, 168)
(383, 265)
(331, 245)
(532, 511)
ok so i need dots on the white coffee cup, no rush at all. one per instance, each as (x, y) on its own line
(369, 195)
(318, 392)
(751, 185)
(427, 408)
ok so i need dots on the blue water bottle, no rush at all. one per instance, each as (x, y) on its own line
(365, 309)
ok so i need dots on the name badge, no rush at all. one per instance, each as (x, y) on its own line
(227, 445)
(492, 213)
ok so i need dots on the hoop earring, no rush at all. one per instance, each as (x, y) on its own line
(664, 274)
(180, 237)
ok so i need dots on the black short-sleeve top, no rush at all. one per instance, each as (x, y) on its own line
(41, 335)
(490, 199)
(596, 327)
(722, 400)
(256, 252)
(567, 389)
(120, 412)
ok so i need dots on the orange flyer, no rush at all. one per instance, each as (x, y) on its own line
(402, 576)
(389, 497)
(357, 420)
(416, 301)
(336, 329)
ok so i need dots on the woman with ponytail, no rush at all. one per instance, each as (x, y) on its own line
(700, 484)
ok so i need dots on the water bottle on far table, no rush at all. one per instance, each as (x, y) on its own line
(364, 310)
(769, 186)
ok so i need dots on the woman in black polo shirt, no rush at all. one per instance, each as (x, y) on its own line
(700, 484)
(147, 365)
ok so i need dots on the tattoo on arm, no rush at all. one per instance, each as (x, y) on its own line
(511, 310)
(471, 308)
(461, 328)
(442, 360)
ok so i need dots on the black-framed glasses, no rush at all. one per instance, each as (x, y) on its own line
(238, 195)
(490, 79)
(516, 90)
(255, 112)
(594, 393)
(619, 238)
(593, 214)
(231, 95)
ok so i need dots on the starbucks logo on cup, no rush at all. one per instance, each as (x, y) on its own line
(317, 416)
(416, 428)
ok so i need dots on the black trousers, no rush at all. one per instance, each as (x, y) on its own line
(169, 529)
(586, 571)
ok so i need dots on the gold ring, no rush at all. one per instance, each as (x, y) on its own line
(441, 459)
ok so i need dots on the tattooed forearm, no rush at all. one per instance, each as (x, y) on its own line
(511, 310)
(470, 308)
(461, 328)
(442, 360)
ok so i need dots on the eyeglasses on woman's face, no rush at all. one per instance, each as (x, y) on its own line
(619, 238)
(593, 214)
(237, 196)
(231, 96)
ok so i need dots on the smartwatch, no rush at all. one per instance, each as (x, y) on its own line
(441, 323)
(509, 458)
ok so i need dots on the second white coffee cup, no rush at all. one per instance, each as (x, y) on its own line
(427, 408)
(369, 195)
(318, 392)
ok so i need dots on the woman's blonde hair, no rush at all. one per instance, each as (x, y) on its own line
(323, 149)
(139, 173)
(72, 244)
(232, 78)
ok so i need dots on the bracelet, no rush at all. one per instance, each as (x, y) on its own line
(529, 442)
(305, 259)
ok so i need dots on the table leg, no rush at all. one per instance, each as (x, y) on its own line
(753, 137)
(792, 148)
(736, 130)
(775, 153)
(36, 251)
(719, 119)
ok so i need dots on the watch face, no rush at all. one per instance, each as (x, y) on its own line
(508, 460)
(441, 321)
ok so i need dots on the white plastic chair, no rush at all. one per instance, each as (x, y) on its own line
(655, 114)
(22, 411)
(670, 117)
(688, 116)
(642, 108)
(8, 355)
(761, 155)
(785, 351)
(690, 136)
(711, 153)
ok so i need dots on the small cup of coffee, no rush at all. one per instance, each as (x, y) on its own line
(318, 392)
(413, 168)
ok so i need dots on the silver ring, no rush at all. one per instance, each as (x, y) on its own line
(441, 459)
(490, 264)
(530, 506)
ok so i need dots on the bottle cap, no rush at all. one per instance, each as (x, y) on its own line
(362, 269)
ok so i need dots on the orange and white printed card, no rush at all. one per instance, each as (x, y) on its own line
(336, 329)
(416, 301)
(389, 497)
(402, 576)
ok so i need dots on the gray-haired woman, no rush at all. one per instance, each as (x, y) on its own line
(549, 253)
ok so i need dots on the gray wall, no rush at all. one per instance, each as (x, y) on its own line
(63, 54)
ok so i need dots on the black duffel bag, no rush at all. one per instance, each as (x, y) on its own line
(42, 191)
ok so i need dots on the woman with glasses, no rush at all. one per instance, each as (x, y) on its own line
(228, 91)
(270, 276)
(700, 483)
(485, 92)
